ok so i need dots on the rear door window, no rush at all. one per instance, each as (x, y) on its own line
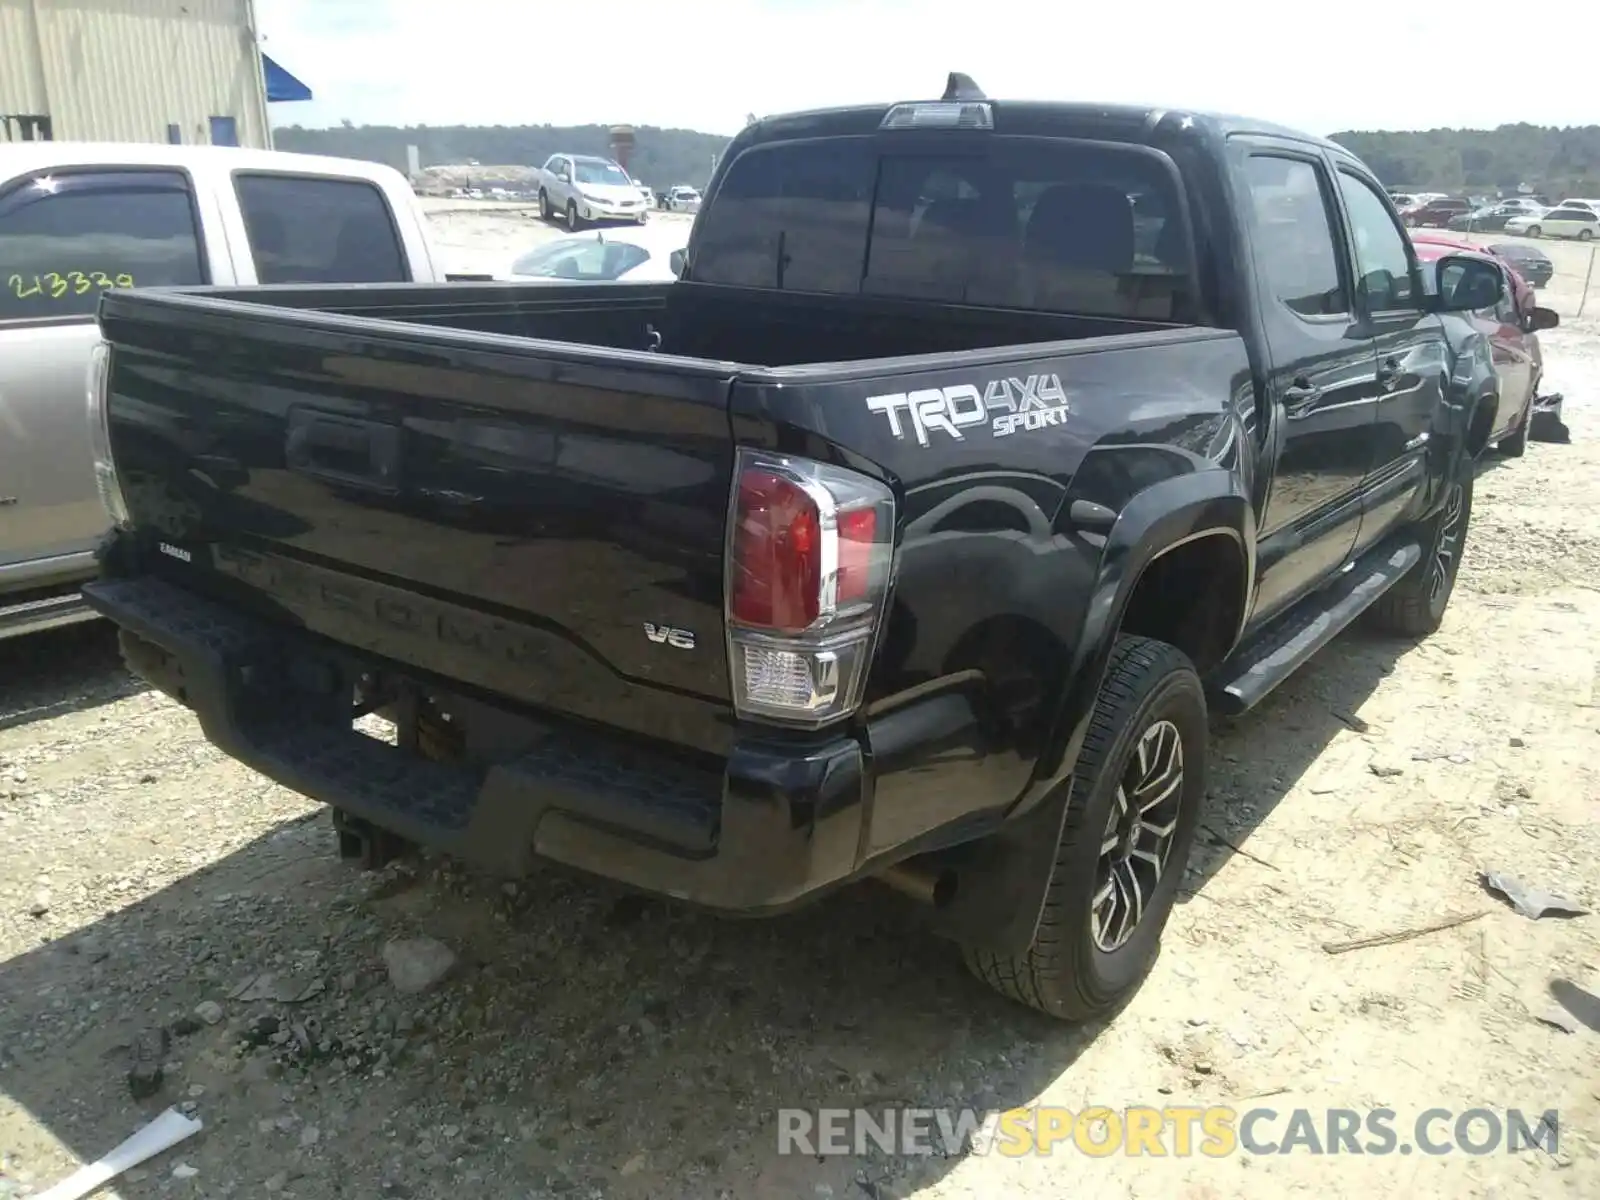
(67, 238)
(310, 229)
(1004, 222)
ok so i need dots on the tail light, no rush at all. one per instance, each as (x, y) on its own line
(810, 547)
(105, 471)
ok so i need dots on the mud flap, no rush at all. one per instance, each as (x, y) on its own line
(1002, 880)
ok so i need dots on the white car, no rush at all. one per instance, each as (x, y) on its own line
(582, 188)
(1580, 202)
(653, 254)
(1563, 221)
(683, 199)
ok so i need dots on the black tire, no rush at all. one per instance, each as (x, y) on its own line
(1150, 690)
(573, 224)
(1415, 606)
(1585, 234)
(1535, 231)
(545, 211)
(1515, 444)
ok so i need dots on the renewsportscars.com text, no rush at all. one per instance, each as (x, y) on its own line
(1169, 1131)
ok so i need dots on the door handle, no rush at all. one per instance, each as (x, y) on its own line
(1300, 398)
(1388, 373)
(363, 454)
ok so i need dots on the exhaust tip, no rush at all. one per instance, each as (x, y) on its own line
(935, 887)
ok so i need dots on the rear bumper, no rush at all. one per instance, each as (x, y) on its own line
(780, 821)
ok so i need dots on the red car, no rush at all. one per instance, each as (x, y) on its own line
(1512, 330)
(1436, 212)
(1521, 291)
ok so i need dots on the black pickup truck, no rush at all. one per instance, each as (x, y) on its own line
(909, 533)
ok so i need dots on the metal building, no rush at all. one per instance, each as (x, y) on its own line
(133, 71)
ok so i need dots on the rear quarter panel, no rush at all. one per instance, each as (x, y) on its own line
(996, 587)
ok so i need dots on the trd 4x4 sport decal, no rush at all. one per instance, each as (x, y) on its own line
(1007, 405)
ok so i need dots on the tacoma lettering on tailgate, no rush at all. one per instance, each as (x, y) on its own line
(321, 598)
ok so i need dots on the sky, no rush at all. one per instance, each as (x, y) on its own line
(705, 64)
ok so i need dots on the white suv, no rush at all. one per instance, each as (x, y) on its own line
(582, 188)
(683, 199)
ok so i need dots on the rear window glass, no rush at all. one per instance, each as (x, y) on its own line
(305, 229)
(1014, 223)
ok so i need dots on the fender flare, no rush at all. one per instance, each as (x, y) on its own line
(1488, 398)
(1005, 877)
(1471, 384)
(1160, 518)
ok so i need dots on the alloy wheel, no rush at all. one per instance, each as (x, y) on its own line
(1448, 549)
(1137, 843)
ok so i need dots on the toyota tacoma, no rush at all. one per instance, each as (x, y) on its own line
(979, 450)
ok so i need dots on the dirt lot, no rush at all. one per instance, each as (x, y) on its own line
(590, 1044)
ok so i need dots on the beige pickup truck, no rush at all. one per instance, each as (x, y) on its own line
(80, 219)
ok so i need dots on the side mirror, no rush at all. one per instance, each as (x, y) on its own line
(1543, 318)
(1468, 284)
(675, 262)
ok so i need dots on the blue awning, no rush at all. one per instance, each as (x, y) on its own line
(281, 85)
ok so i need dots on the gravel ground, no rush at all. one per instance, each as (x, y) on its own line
(588, 1043)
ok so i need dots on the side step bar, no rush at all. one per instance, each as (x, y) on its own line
(35, 616)
(1279, 650)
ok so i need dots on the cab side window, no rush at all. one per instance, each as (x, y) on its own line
(67, 238)
(1385, 278)
(1296, 255)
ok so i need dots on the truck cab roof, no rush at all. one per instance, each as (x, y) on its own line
(19, 157)
(1121, 122)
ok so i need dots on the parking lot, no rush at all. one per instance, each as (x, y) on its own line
(593, 1044)
(483, 236)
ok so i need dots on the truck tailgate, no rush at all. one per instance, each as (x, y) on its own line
(542, 520)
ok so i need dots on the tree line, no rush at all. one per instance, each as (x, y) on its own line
(1559, 162)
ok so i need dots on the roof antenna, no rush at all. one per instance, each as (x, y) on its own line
(961, 87)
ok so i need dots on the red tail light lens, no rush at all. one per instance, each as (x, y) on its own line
(777, 544)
